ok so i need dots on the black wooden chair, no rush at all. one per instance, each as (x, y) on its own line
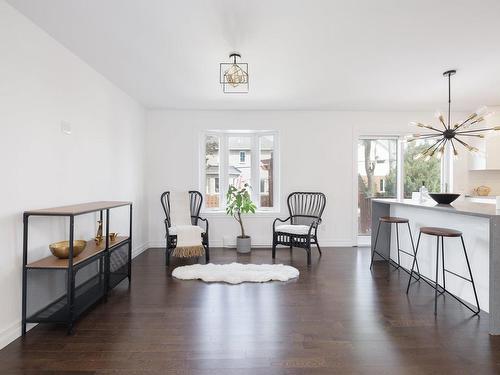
(305, 210)
(195, 202)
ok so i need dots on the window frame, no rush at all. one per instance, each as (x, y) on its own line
(446, 175)
(244, 159)
(223, 136)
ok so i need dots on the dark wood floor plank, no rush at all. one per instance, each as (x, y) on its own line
(338, 317)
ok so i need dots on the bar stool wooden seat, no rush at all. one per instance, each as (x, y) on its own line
(397, 221)
(441, 234)
(394, 219)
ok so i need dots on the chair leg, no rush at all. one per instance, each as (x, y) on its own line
(414, 261)
(437, 273)
(167, 257)
(375, 246)
(317, 245)
(308, 256)
(207, 254)
(274, 247)
(470, 274)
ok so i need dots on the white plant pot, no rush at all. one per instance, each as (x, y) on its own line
(243, 244)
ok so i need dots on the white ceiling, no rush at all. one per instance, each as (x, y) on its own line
(316, 54)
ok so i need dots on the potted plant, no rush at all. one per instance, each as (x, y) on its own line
(239, 202)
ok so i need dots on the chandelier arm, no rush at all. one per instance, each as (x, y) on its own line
(464, 123)
(472, 135)
(453, 145)
(433, 128)
(414, 139)
(476, 121)
(454, 148)
(475, 131)
(467, 146)
(442, 122)
(428, 136)
(429, 149)
(438, 144)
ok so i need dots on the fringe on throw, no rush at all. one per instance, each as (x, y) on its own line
(189, 251)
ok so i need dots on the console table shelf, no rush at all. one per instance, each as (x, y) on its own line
(80, 282)
(91, 250)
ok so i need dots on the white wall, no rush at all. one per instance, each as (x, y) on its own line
(467, 180)
(317, 153)
(42, 84)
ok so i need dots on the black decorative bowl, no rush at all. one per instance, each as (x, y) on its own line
(444, 198)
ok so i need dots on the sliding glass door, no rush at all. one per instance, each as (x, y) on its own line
(377, 176)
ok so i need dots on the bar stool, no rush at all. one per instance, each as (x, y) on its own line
(395, 220)
(441, 233)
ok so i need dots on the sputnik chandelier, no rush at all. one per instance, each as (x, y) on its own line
(451, 135)
(234, 75)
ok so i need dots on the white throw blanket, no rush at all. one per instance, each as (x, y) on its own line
(188, 236)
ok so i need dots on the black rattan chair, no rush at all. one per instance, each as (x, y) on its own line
(195, 202)
(305, 210)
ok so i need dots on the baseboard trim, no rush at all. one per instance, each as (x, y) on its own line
(257, 245)
(13, 331)
(140, 249)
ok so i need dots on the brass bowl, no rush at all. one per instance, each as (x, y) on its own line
(61, 249)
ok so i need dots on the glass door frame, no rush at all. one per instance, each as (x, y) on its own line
(365, 240)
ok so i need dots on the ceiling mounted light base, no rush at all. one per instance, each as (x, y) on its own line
(233, 76)
(450, 73)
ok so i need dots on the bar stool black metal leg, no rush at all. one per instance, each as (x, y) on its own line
(470, 274)
(375, 246)
(397, 242)
(437, 273)
(414, 253)
(413, 264)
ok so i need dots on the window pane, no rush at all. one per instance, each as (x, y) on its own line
(266, 172)
(418, 171)
(212, 171)
(377, 176)
(239, 172)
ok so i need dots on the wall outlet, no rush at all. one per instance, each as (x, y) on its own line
(66, 127)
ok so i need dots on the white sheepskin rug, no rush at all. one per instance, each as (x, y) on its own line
(236, 273)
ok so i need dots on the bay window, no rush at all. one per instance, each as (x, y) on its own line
(238, 158)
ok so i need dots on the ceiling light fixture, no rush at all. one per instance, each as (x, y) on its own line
(234, 76)
(451, 134)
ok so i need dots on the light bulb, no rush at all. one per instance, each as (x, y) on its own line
(440, 117)
(481, 110)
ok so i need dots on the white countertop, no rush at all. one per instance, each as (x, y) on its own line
(460, 206)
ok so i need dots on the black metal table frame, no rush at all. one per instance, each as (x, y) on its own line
(72, 269)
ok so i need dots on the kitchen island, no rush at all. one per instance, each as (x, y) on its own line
(480, 224)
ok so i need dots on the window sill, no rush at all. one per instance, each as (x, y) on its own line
(270, 213)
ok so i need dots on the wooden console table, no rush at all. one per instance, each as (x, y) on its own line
(100, 267)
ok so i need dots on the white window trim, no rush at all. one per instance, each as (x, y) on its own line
(223, 136)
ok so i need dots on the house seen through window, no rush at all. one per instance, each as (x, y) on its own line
(239, 158)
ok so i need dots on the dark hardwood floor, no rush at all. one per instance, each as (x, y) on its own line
(337, 318)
